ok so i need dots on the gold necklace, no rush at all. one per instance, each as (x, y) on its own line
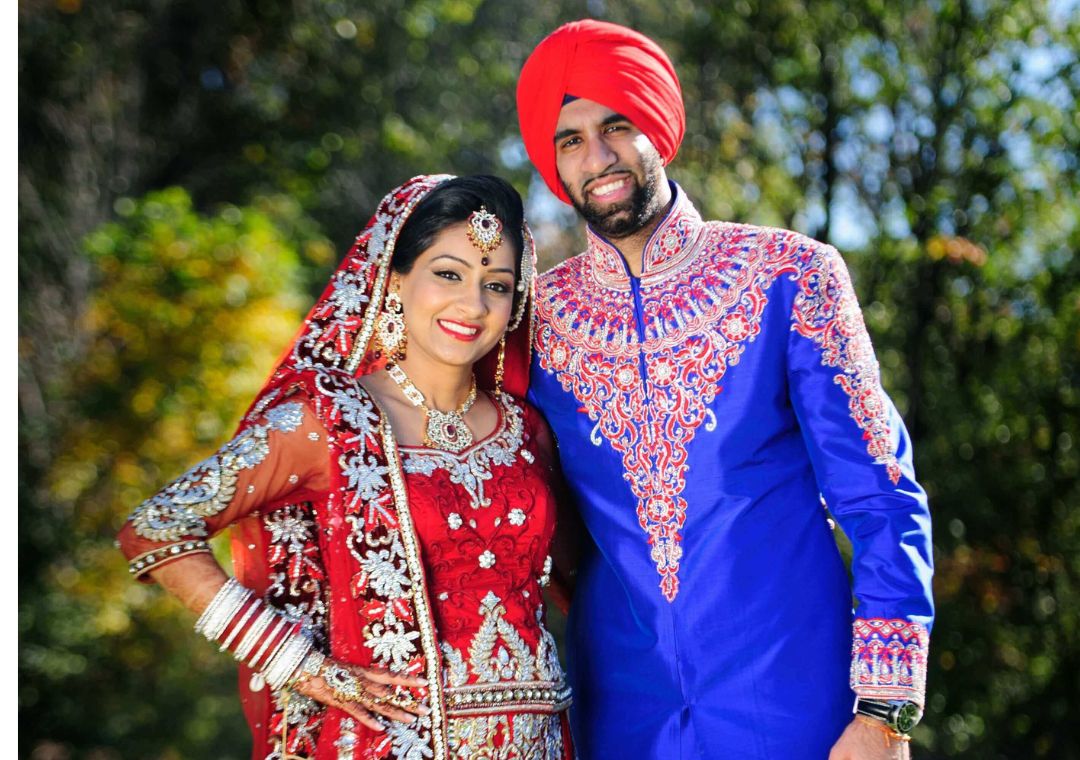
(445, 431)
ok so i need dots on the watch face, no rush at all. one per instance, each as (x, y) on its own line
(907, 717)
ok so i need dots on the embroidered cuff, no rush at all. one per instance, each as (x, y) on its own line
(888, 659)
(144, 563)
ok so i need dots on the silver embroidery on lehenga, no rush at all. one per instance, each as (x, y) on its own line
(512, 708)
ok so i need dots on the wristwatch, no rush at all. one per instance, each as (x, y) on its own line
(899, 715)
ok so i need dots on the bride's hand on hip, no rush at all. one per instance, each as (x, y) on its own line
(363, 693)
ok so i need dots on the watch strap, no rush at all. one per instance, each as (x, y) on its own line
(871, 708)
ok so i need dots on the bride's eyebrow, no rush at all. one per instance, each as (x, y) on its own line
(465, 263)
(461, 261)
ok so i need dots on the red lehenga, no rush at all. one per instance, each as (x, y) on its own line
(413, 559)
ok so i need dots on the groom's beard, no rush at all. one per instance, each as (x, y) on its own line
(628, 216)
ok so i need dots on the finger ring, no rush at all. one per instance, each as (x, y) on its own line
(402, 699)
(342, 683)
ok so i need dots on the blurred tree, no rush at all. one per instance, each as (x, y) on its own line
(936, 144)
(185, 319)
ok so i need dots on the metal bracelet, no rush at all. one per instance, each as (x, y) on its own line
(211, 608)
(226, 614)
(311, 666)
(292, 664)
(289, 665)
(275, 650)
(228, 601)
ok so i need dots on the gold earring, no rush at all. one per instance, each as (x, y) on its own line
(499, 364)
(390, 328)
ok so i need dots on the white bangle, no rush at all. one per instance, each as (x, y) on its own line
(211, 608)
(222, 608)
(287, 660)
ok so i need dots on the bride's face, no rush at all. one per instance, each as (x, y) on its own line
(456, 307)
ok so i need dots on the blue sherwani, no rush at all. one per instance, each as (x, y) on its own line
(705, 413)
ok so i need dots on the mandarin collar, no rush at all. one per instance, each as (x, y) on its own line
(671, 244)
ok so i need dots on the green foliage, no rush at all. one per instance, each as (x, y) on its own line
(935, 143)
(187, 316)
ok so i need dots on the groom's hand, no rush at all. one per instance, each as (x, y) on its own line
(863, 741)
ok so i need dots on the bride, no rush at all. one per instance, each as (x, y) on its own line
(390, 503)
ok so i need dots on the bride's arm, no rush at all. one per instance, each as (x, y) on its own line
(281, 459)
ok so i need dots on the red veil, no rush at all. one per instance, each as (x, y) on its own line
(350, 568)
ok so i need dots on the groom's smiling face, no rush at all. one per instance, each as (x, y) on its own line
(609, 168)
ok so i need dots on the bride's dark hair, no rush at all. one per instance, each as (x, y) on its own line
(451, 203)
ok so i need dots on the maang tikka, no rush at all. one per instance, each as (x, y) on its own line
(484, 232)
(390, 328)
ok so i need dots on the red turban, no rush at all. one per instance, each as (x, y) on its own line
(608, 64)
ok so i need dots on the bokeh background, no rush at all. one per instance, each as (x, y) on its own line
(190, 173)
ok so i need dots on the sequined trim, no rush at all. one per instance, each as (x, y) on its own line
(163, 555)
(889, 658)
(181, 508)
(486, 699)
(671, 247)
(297, 588)
(408, 738)
(519, 736)
(388, 583)
(472, 468)
(501, 672)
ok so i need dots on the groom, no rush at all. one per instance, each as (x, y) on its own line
(710, 385)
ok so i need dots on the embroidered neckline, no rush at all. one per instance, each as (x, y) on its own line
(671, 245)
(707, 309)
(472, 467)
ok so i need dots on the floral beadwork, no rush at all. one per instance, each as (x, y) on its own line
(181, 508)
(701, 307)
(387, 575)
(826, 311)
(501, 671)
(298, 589)
(515, 736)
(888, 659)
